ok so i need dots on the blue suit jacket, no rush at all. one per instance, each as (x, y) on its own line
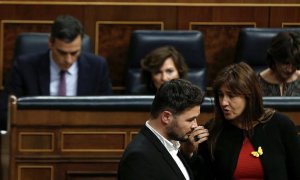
(31, 77)
(146, 158)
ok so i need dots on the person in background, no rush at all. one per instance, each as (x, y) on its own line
(154, 153)
(246, 140)
(161, 65)
(38, 74)
(282, 77)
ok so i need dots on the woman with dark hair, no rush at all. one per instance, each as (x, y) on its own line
(246, 140)
(161, 65)
(282, 77)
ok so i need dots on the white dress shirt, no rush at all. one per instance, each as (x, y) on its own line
(172, 147)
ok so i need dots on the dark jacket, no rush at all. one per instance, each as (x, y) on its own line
(31, 75)
(146, 158)
(278, 139)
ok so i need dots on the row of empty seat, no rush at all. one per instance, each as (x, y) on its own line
(252, 46)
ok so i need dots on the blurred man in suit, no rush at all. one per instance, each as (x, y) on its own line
(155, 152)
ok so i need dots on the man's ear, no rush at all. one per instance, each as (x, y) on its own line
(166, 117)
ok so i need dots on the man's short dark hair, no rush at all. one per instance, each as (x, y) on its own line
(66, 28)
(176, 96)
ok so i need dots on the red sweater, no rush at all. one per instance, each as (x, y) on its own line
(248, 167)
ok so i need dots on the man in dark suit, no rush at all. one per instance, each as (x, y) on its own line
(155, 152)
(39, 74)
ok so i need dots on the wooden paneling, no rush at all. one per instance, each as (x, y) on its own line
(29, 172)
(36, 142)
(157, 2)
(66, 143)
(71, 143)
(120, 14)
(87, 175)
(220, 27)
(284, 15)
(216, 34)
(112, 41)
(109, 25)
(97, 141)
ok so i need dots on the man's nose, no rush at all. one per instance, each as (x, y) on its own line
(69, 58)
(194, 124)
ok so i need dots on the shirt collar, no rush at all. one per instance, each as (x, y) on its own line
(170, 145)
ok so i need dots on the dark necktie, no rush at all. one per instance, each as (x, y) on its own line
(62, 83)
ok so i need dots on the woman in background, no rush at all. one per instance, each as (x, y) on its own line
(282, 77)
(161, 65)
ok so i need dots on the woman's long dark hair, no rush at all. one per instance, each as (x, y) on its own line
(239, 79)
(285, 49)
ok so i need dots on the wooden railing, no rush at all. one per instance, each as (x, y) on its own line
(84, 137)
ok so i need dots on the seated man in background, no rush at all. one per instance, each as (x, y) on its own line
(63, 70)
(282, 78)
(154, 152)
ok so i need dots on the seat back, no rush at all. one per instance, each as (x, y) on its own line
(32, 42)
(253, 43)
(189, 43)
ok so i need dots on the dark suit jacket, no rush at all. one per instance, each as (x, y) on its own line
(146, 158)
(31, 77)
